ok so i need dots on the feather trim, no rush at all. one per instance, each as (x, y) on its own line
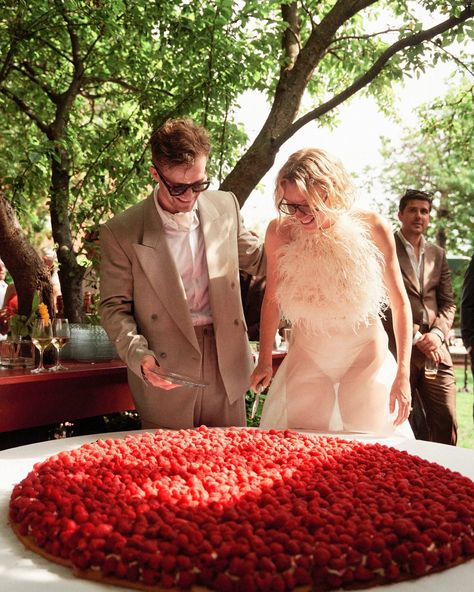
(331, 279)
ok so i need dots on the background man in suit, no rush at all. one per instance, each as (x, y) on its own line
(427, 281)
(170, 294)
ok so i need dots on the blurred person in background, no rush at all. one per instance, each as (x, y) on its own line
(467, 311)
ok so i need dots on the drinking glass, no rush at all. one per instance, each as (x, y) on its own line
(61, 336)
(431, 369)
(42, 337)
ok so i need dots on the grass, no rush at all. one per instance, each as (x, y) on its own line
(464, 404)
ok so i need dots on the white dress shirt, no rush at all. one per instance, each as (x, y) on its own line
(186, 243)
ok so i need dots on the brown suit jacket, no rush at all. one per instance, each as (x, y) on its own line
(143, 305)
(435, 295)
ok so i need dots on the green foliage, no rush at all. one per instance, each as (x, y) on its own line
(465, 407)
(83, 83)
(21, 325)
(143, 64)
(437, 156)
(251, 410)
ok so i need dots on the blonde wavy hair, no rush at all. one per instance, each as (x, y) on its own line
(321, 177)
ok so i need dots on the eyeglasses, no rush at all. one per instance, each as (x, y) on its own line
(291, 208)
(176, 190)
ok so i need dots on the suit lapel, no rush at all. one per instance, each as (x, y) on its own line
(159, 267)
(429, 263)
(405, 264)
(215, 232)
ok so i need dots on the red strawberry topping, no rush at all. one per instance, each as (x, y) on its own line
(246, 510)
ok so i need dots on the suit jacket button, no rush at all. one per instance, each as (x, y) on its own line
(162, 355)
(154, 316)
(236, 321)
(232, 285)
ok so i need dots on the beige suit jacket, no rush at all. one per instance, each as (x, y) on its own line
(143, 306)
(435, 295)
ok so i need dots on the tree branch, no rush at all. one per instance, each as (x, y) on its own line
(6, 65)
(66, 99)
(364, 37)
(291, 35)
(92, 80)
(29, 73)
(56, 50)
(372, 72)
(26, 110)
(458, 61)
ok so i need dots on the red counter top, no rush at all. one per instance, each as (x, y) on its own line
(84, 390)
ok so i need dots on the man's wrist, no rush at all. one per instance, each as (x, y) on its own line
(438, 333)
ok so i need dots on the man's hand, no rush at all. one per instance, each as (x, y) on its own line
(149, 368)
(429, 344)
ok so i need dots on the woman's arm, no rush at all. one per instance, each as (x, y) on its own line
(401, 311)
(270, 314)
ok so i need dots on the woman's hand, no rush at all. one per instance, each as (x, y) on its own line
(261, 377)
(400, 393)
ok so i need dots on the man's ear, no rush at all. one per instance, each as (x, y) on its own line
(398, 215)
(154, 174)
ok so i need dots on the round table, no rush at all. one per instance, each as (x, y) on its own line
(21, 569)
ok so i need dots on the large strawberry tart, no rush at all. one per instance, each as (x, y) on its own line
(244, 510)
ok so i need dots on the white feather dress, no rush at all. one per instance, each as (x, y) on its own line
(338, 371)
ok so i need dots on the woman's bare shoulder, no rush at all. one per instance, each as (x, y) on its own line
(278, 232)
(376, 221)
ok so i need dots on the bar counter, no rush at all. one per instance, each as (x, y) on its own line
(84, 390)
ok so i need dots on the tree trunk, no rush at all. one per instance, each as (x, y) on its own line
(282, 121)
(70, 272)
(442, 215)
(22, 261)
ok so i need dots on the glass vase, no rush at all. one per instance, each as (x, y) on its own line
(17, 353)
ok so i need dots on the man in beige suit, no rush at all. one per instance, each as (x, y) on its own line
(170, 294)
(427, 281)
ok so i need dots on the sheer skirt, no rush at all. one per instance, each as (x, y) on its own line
(339, 382)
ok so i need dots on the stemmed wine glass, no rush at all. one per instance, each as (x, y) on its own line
(42, 337)
(61, 335)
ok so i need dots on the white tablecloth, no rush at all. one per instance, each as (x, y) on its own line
(22, 570)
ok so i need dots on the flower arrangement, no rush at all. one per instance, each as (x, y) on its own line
(43, 312)
(18, 325)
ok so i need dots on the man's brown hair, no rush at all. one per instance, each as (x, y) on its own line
(179, 141)
(412, 194)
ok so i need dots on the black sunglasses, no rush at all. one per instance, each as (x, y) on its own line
(176, 190)
(290, 209)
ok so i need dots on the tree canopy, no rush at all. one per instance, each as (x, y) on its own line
(437, 157)
(83, 83)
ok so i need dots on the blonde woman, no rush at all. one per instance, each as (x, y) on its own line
(330, 272)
